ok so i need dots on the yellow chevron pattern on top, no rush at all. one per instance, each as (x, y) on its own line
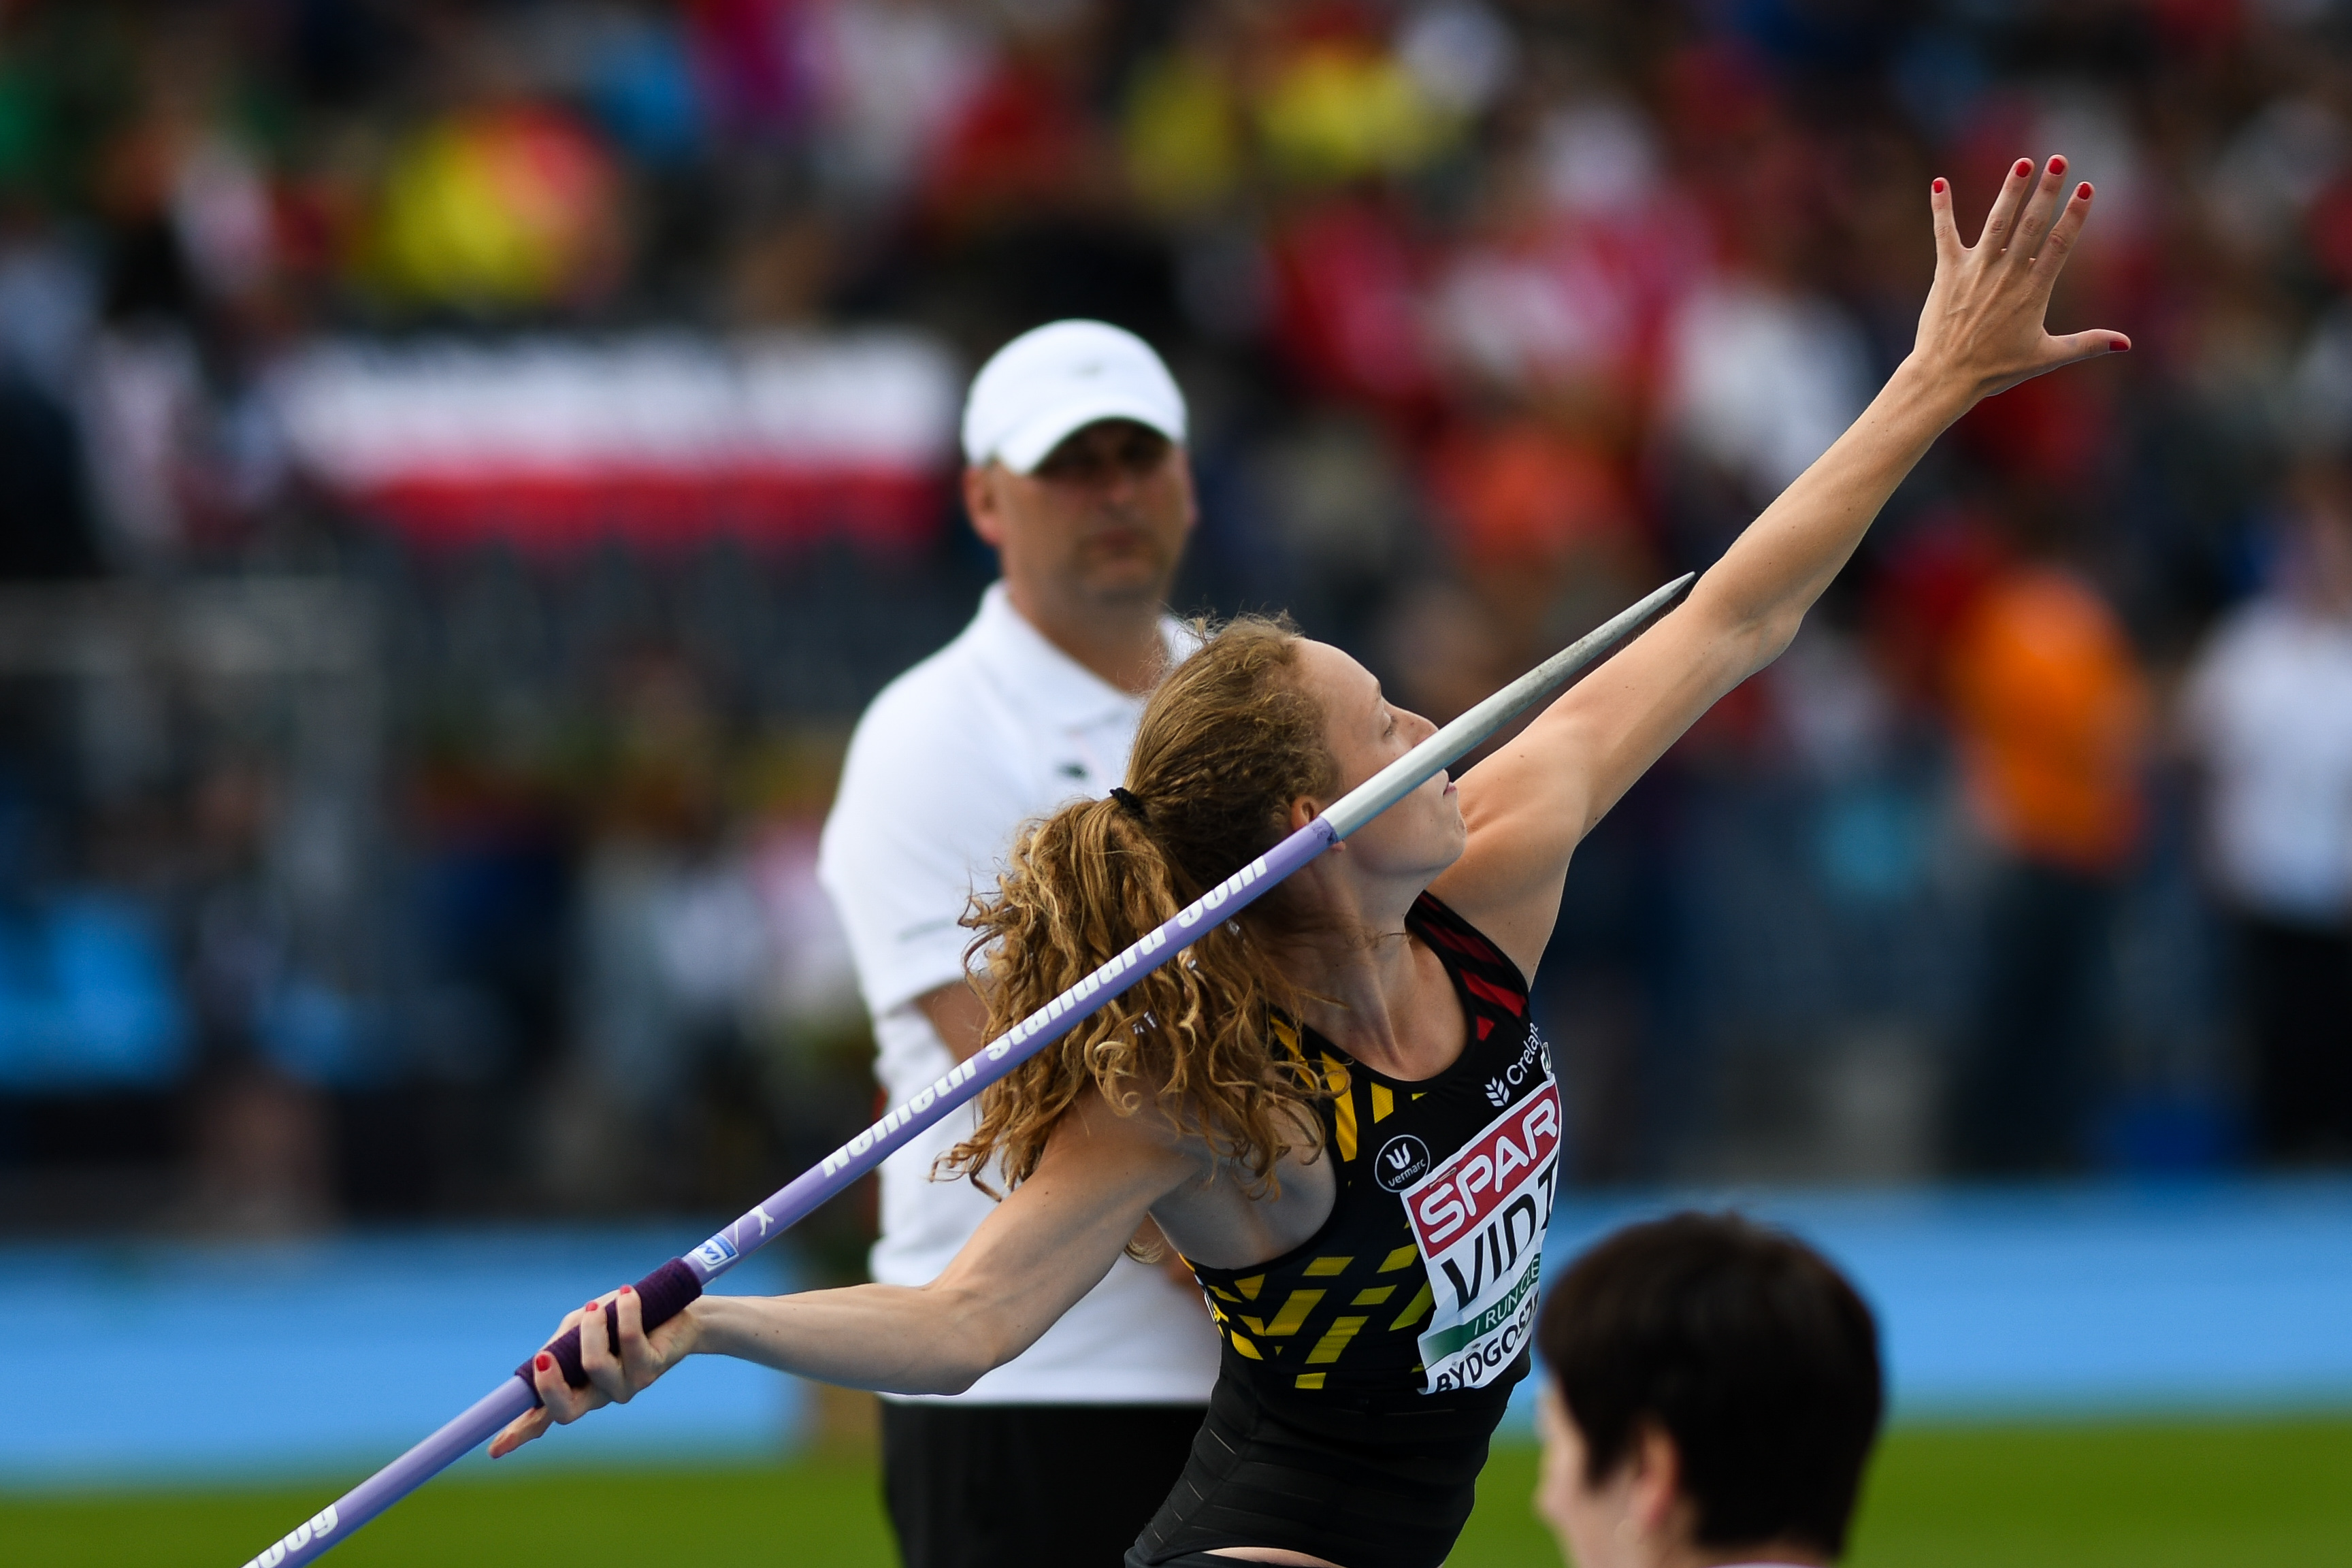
(1413, 1308)
(1323, 1266)
(1383, 1102)
(1335, 1339)
(1294, 1313)
(1343, 1109)
(1400, 1258)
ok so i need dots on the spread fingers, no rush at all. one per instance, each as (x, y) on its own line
(1948, 228)
(2002, 221)
(2060, 242)
(2041, 209)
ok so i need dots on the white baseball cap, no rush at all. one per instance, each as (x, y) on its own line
(1054, 379)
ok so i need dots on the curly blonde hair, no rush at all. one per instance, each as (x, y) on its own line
(1225, 745)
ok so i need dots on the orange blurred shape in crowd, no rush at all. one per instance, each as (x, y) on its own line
(503, 207)
(2052, 714)
(1520, 494)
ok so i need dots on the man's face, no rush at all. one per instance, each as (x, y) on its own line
(1562, 1498)
(1617, 1523)
(1101, 521)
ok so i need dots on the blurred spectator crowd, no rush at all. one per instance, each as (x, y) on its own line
(464, 464)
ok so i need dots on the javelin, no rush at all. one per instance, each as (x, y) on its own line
(669, 1289)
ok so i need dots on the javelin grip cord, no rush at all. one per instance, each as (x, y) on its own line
(671, 1289)
(661, 1296)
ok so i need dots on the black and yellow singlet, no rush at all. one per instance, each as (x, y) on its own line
(1364, 1371)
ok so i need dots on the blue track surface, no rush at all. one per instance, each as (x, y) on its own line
(2077, 1302)
(148, 1362)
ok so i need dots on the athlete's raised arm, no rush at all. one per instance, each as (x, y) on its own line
(1047, 1244)
(1980, 332)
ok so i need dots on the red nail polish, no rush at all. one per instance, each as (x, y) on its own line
(545, 1362)
(2082, 191)
(1939, 187)
(624, 1289)
(2023, 168)
(2057, 165)
(589, 1308)
(2122, 348)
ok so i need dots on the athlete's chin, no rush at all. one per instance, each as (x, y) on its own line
(1440, 858)
(1453, 855)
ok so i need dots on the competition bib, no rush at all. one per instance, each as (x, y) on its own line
(1478, 1220)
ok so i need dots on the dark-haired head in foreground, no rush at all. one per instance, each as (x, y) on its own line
(1713, 1393)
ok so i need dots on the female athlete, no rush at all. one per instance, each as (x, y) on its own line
(1335, 1107)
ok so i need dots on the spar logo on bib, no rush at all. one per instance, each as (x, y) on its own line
(1479, 1221)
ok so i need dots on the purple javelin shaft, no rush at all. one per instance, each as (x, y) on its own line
(671, 1289)
(664, 1287)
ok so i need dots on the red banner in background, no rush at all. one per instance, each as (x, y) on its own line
(659, 441)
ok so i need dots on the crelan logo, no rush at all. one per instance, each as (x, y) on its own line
(322, 1523)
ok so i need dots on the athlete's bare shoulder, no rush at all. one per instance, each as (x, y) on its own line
(1218, 1214)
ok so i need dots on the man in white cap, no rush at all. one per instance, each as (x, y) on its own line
(1076, 475)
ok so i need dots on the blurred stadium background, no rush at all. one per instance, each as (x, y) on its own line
(462, 467)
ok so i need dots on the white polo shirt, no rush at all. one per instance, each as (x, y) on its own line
(996, 729)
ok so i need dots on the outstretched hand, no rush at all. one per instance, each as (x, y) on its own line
(612, 1380)
(1982, 325)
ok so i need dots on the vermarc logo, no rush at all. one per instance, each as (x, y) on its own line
(1403, 1161)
